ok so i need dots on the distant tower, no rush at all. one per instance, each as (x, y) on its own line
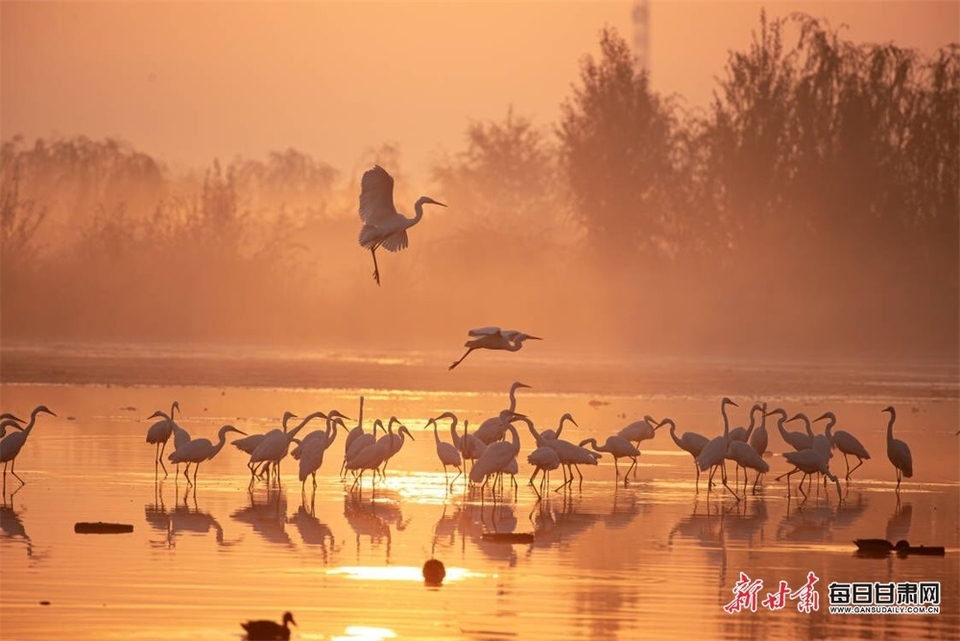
(641, 35)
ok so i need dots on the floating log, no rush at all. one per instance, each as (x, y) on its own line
(882, 547)
(102, 528)
(508, 537)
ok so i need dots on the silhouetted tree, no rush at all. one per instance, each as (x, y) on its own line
(504, 185)
(619, 152)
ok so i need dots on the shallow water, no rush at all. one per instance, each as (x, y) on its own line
(654, 559)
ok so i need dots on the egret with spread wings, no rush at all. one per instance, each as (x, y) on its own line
(494, 338)
(383, 225)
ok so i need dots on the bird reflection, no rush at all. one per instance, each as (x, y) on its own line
(185, 518)
(898, 526)
(12, 526)
(848, 512)
(157, 517)
(559, 524)
(707, 529)
(365, 521)
(267, 517)
(313, 532)
(744, 521)
(805, 522)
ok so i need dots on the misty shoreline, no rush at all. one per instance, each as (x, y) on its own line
(583, 373)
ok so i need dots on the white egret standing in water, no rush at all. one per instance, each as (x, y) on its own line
(383, 226)
(493, 429)
(159, 433)
(714, 453)
(897, 451)
(12, 443)
(844, 441)
(199, 450)
(689, 442)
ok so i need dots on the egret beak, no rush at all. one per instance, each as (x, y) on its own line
(534, 338)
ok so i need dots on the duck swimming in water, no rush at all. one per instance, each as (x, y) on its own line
(268, 630)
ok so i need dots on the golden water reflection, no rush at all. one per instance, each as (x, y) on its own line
(607, 562)
(400, 573)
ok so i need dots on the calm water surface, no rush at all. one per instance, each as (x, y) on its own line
(650, 560)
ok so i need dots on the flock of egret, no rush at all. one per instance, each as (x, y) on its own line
(492, 450)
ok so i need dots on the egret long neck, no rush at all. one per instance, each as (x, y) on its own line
(417, 213)
(673, 433)
(893, 417)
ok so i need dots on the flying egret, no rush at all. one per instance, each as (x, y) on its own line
(447, 453)
(689, 442)
(618, 447)
(159, 433)
(383, 226)
(493, 428)
(844, 441)
(556, 433)
(268, 630)
(714, 453)
(897, 451)
(493, 337)
(12, 443)
(199, 450)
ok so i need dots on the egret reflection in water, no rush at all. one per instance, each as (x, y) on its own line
(267, 517)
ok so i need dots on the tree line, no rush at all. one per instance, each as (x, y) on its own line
(815, 199)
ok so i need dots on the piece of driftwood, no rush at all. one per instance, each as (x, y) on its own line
(882, 547)
(508, 537)
(102, 528)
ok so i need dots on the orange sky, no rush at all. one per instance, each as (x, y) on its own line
(190, 81)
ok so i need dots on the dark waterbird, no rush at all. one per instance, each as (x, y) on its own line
(268, 630)
(433, 573)
(883, 547)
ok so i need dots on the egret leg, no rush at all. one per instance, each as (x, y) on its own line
(376, 270)
(460, 360)
(616, 467)
(13, 465)
(846, 462)
(459, 474)
(723, 475)
(580, 474)
(800, 485)
(859, 463)
(536, 471)
(196, 467)
(186, 472)
(160, 447)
